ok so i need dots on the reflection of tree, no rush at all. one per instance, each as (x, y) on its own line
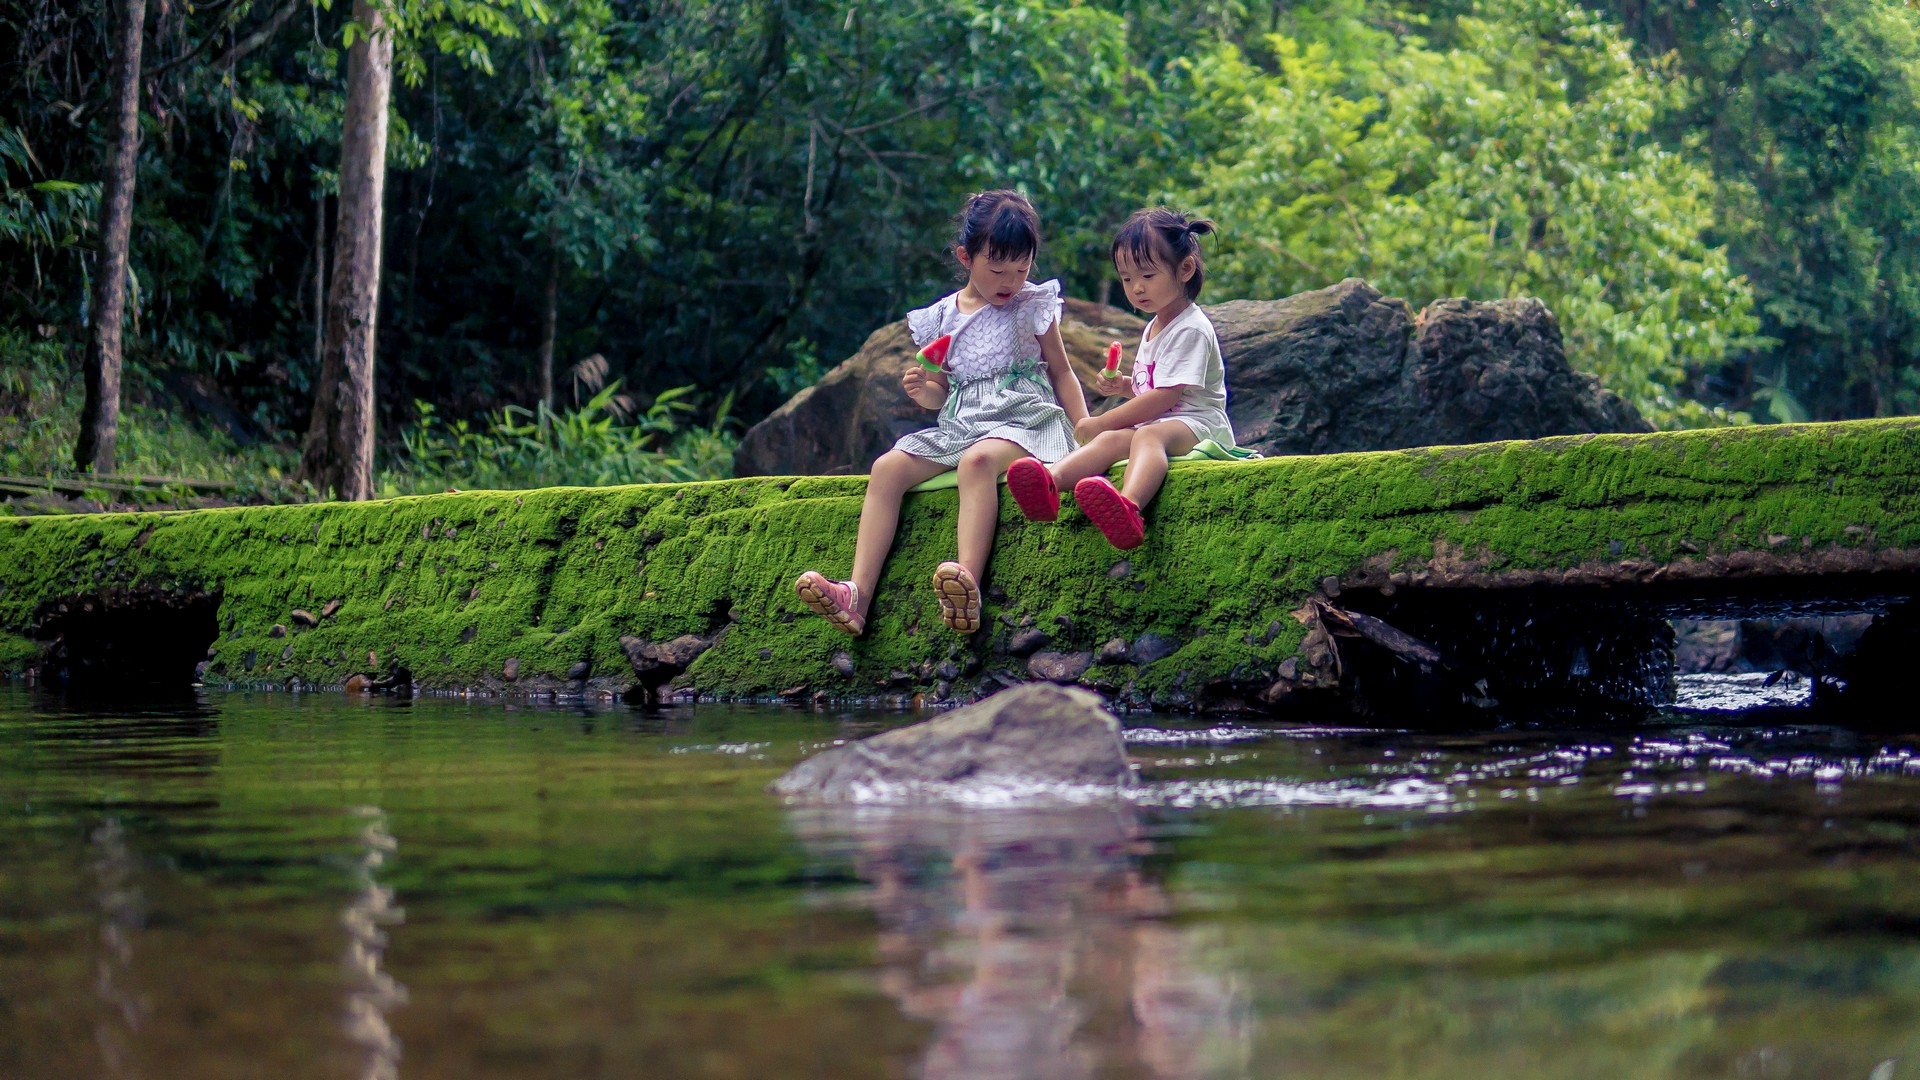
(371, 992)
(1033, 944)
(118, 899)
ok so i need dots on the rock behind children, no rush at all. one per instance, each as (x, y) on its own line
(1177, 389)
(1004, 391)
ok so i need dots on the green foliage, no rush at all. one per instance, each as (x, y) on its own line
(40, 220)
(1809, 114)
(583, 447)
(732, 195)
(1520, 162)
(40, 392)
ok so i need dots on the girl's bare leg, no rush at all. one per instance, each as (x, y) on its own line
(1147, 457)
(1097, 456)
(893, 474)
(980, 469)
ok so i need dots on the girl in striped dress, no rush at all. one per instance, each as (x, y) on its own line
(1006, 392)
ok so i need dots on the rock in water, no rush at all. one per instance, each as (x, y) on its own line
(1039, 740)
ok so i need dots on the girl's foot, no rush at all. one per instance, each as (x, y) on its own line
(1033, 490)
(1119, 519)
(836, 601)
(959, 597)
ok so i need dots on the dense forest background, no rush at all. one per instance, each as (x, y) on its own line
(697, 208)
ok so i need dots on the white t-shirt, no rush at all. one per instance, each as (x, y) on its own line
(1186, 353)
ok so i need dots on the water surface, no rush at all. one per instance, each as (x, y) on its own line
(278, 886)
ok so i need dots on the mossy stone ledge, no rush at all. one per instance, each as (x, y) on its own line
(688, 588)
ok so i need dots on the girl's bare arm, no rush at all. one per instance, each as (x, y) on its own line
(1142, 409)
(1066, 384)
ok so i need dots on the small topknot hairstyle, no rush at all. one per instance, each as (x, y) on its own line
(1165, 237)
(1002, 223)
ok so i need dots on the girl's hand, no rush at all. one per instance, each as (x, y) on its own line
(1110, 385)
(926, 391)
(1088, 427)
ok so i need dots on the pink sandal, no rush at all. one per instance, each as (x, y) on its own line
(836, 601)
(1116, 515)
(1033, 490)
(959, 597)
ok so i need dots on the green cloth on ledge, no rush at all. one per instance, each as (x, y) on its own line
(1208, 450)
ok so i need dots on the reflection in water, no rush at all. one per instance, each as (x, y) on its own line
(371, 992)
(1033, 943)
(120, 907)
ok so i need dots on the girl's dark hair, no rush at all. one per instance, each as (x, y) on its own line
(1164, 237)
(1003, 223)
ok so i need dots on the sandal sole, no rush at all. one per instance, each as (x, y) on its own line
(1033, 490)
(1117, 521)
(822, 605)
(959, 599)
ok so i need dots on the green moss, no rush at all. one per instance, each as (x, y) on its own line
(453, 585)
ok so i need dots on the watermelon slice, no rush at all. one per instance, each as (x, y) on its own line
(934, 356)
(1113, 361)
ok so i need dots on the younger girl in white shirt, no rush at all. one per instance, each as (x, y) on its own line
(1178, 387)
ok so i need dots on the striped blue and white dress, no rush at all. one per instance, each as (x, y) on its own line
(998, 386)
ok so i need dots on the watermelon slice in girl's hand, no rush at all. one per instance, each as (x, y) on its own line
(934, 356)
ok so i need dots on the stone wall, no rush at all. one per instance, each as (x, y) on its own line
(689, 587)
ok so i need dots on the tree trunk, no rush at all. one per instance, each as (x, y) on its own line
(100, 416)
(319, 280)
(549, 320)
(338, 457)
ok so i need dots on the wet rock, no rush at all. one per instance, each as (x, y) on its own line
(657, 663)
(855, 412)
(1059, 666)
(843, 663)
(580, 670)
(303, 618)
(1150, 647)
(1030, 736)
(1113, 652)
(1026, 642)
(332, 609)
(279, 630)
(947, 670)
(358, 684)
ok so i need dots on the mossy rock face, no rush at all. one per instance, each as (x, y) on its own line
(534, 591)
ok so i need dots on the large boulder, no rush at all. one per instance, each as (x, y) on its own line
(853, 414)
(1336, 369)
(1036, 741)
(1345, 368)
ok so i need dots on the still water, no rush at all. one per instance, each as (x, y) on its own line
(285, 887)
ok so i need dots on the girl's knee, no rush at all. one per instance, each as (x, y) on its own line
(891, 470)
(976, 460)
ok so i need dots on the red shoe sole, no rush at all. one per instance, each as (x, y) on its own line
(1119, 521)
(1033, 490)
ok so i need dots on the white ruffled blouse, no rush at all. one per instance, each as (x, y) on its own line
(991, 339)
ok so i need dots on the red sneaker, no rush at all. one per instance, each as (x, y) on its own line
(1119, 519)
(836, 601)
(1033, 490)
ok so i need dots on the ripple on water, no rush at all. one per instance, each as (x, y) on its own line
(1226, 734)
(1709, 692)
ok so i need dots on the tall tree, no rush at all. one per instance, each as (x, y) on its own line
(338, 456)
(100, 415)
